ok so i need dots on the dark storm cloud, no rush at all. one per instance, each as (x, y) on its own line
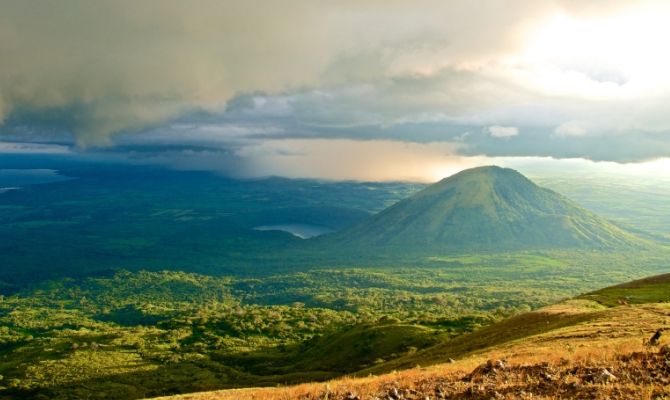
(220, 80)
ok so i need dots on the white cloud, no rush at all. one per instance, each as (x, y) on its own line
(570, 128)
(503, 132)
(32, 148)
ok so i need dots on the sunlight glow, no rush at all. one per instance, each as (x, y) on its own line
(614, 57)
(659, 167)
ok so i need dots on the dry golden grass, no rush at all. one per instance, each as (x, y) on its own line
(364, 387)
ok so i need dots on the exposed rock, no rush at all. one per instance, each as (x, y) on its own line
(604, 376)
(654, 339)
(499, 364)
(394, 394)
(497, 396)
(486, 370)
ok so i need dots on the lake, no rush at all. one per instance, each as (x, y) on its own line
(14, 178)
(303, 231)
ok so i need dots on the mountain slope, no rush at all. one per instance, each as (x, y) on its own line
(595, 315)
(485, 208)
(580, 348)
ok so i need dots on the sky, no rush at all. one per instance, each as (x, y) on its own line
(370, 90)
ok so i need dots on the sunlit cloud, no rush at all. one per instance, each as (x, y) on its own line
(612, 57)
(570, 128)
(503, 132)
(354, 159)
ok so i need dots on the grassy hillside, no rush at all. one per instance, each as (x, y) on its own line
(341, 352)
(655, 289)
(579, 348)
(486, 208)
(128, 335)
(133, 335)
(636, 202)
(583, 312)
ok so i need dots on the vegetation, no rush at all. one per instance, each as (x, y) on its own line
(485, 209)
(590, 309)
(112, 216)
(635, 202)
(133, 335)
(574, 349)
(139, 334)
(655, 289)
(250, 308)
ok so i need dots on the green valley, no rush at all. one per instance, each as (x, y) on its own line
(175, 293)
(155, 333)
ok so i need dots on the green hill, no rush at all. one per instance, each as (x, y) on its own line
(486, 208)
(632, 310)
(340, 352)
(555, 350)
(655, 289)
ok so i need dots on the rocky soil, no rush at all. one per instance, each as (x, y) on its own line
(640, 375)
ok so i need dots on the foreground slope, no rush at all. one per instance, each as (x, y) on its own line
(587, 348)
(485, 208)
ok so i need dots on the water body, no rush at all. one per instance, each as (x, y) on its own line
(12, 179)
(303, 231)
(6, 189)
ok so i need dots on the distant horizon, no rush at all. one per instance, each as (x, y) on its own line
(532, 166)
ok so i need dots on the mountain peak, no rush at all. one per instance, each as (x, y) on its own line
(488, 172)
(484, 170)
(486, 208)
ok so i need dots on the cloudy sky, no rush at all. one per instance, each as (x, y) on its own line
(337, 89)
